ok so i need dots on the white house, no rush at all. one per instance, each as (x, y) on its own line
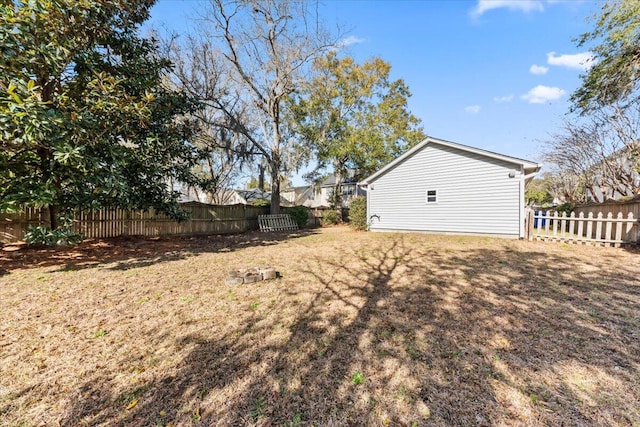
(320, 197)
(444, 187)
(244, 197)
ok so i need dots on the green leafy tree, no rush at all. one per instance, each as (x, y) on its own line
(614, 76)
(354, 117)
(538, 197)
(85, 120)
(538, 191)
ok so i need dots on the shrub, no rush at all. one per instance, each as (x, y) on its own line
(331, 217)
(300, 215)
(46, 236)
(565, 207)
(358, 213)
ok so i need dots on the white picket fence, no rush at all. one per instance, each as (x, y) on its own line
(594, 230)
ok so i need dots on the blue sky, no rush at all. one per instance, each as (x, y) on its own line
(493, 74)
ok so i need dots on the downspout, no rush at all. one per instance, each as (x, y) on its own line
(523, 215)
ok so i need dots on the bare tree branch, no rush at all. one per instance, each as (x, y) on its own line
(602, 151)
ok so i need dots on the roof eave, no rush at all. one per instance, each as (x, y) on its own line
(527, 165)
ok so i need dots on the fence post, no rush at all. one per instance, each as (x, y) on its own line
(528, 225)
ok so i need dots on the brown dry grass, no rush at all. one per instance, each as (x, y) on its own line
(443, 330)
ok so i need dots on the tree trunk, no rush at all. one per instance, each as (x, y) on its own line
(261, 177)
(337, 191)
(593, 194)
(275, 187)
(53, 217)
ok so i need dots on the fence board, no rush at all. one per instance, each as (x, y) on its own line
(614, 207)
(581, 227)
(572, 224)
(607, 233)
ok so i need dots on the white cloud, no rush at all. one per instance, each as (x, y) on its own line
(578, 61)
(521, 5)
(538, 69)
(348, 41)
(541, 94)
(472, 109)
(501, 99)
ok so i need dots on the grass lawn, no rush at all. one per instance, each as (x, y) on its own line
(361, 329)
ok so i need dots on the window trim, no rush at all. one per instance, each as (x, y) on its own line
(435, 196)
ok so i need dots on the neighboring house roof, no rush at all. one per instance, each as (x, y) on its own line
(253, 195)
(528, 166)
(230, 196)
(330, 181)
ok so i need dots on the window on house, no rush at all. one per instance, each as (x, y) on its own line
(432, 196)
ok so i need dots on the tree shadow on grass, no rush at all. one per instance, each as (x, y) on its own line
(135, 252)
(484, 336)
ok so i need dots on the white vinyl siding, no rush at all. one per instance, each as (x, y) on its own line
(474, 194)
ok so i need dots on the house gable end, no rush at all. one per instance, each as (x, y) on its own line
(528, 167)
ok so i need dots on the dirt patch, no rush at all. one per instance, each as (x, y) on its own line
(360, 329)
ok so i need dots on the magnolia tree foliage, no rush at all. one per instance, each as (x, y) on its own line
(85, 121)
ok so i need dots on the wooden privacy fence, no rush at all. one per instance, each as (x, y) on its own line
(204, 219)
(631, 206)
(583, 229)
(316, 214)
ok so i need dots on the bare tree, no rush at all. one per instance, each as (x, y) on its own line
(566, 186)
(199, 71)
(250, 57)
(600, 154)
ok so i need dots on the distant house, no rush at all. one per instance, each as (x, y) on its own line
(244, 197)
(320, 197)
(446, 187)
(296, 196)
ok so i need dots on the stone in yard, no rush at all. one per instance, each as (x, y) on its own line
(234, 280)
(252, 277)
(268, 273)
